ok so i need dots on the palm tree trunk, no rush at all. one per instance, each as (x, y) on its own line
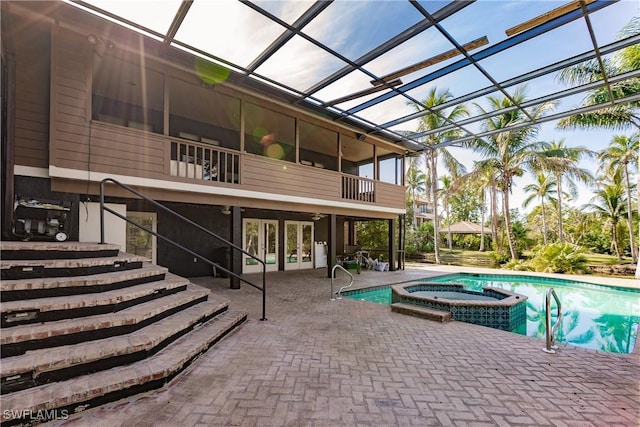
(614, 240)
(415, 208)
(449, 225)
(634, 253)
(560, 230)
(481, 249)
(434, 197)
(544, 223)
(507, 224)
(494, 218)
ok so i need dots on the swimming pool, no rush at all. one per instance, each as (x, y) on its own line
(594, 316)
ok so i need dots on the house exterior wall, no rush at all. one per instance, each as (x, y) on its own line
(81, 148)
(32, 62)
(63, 150)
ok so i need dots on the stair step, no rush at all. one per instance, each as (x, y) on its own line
(24, 269)
(61, 363)
(53, 250)
(18, 339)
(56, 308)
(420, 311)
(19, 289)
(80, 393)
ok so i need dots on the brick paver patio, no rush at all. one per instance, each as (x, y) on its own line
(321, 363)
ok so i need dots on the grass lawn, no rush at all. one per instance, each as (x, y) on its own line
(475, 258)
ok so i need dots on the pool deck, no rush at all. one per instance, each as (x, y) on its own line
(317, 362)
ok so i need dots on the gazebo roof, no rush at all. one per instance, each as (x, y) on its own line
(465, 227)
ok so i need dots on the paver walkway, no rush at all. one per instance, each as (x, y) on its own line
(321, 363)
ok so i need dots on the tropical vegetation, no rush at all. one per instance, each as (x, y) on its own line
(555, 234)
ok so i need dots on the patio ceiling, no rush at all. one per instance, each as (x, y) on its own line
(366, 62)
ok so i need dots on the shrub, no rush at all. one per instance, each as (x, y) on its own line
(554, 258)
(420, 240)
(500, 257)
(518, 265)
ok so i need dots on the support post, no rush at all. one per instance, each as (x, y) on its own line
(331, 243)
(235, 257)
(392, 244)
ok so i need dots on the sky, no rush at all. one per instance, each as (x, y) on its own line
(229, 30)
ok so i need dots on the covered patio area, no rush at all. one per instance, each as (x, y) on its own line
(315, 362)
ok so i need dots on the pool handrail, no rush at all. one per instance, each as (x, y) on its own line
(333, 275)
(551, 331)
(189, 251)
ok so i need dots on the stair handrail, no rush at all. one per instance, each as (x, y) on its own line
(551, 331)
(178, 245)
(333, 275)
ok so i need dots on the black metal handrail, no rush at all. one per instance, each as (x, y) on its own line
(103, 208)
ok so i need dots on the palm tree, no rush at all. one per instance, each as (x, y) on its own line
(562, 161)
(482, 179)
(447, 187)
(510, 152)
(544, 188)
(479, 187)
(617, 117)
(415, 184)
(432, 121)
(609, 204)
(622, 153)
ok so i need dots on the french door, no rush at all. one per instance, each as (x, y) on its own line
(260, 238)
(298, 236)
(140, 242)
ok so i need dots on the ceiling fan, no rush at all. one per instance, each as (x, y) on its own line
(317, 216)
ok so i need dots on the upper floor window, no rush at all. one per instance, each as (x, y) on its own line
(126, 94)
(318, 146)
(203, 114)
(269, 133)
(389, 166)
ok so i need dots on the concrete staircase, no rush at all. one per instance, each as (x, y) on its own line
(84, 324)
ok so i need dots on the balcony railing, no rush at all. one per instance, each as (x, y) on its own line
(356, 188)
(201, 161)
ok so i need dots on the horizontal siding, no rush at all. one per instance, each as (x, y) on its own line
(65, 82)
(112, 149)
(270, 176)
(390, 195)
(32, 98)
(31, 124)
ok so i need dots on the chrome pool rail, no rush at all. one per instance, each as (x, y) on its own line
(551, 331)
(333, 275)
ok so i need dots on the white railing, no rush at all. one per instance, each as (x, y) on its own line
(205, 162)
(333, 275)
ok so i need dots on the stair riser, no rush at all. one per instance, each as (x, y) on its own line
(76, 290)
(49, 316)
(36, 272)
(15, 349)
(53, 254)
(127, 392)
(100, 365)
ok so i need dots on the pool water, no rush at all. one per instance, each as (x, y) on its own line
(594, 316)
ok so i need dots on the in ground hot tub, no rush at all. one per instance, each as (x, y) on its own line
(493, 307)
